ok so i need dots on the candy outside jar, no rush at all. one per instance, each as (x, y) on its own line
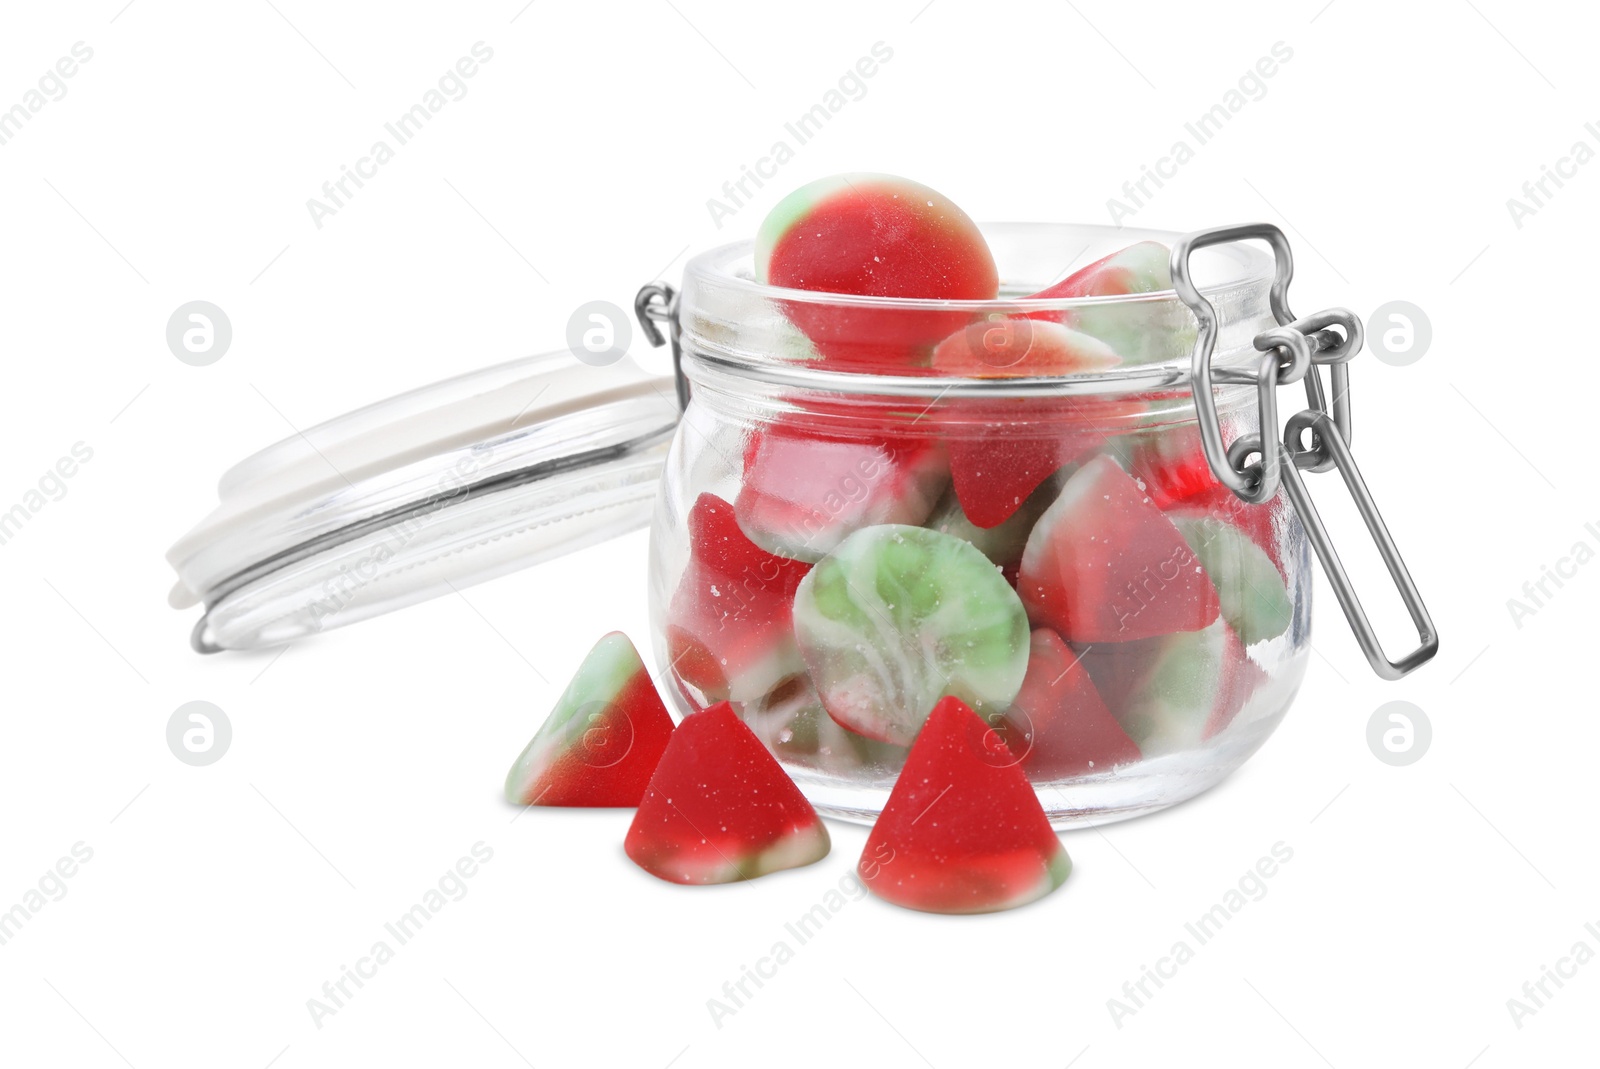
(1004, 500)
(1073, 510)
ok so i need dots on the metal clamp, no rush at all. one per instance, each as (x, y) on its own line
(1292, 350)
(654, 304)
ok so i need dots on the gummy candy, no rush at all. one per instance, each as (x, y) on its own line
(806, 488)
(729, 633)
(719, 808)
(1173, 692)
(1001, 450)
(600, 743)
(1103, 564)
(962, 831)
(898, 617)
(873, 235)
(1250, 591)
(1058, 726)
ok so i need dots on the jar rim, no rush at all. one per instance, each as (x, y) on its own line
(720, 266)
(735, 326)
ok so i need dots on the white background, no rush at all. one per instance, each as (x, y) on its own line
(365, 763)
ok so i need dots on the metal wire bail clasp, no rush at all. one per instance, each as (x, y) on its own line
(656, 303)
(1292, 350)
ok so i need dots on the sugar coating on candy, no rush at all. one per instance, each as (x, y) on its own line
(601, 742)
(879, 236)
(1174, 692)
(1251, 593)
(896, 618)
(806, 488)
(1001, 450)
(1058, 725)
(1103, 564)
(729, 633)
(962, 831)
(720, 809)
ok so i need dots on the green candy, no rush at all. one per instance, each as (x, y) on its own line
(1002, 544)
(896, 618)
(1252, 595)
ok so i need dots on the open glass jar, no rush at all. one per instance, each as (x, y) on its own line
(1065, 512)
(1130, 630)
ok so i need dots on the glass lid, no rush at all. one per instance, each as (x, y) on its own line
(432, 490)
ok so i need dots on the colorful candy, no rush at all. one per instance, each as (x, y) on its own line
(719, 808)
(1103, 564)
(1001, 450)
(601, 742)
(896, 618)
(797, 729)
(1141, 331)
(962, 831)
(1140, 268)
(1170, 464)
(807, 486)
(729, 633)
(873, 235)
(1173, 692)
(1250, 592)
(1058, 726)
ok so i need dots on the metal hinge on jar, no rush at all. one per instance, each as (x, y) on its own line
(1253, 466)
(654, 304)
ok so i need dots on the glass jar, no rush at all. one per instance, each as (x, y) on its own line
(1130, 630)
(868, 503)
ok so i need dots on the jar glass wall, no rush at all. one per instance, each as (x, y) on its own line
(873, 502)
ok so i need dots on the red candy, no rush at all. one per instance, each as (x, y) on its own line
(1104, 565)
(719, 809)
(962, 831)
(1174, 692)
(1058, 724)
(1171, 465)
(807, 486)
(728, 626)
(1140, 268)
(601, 742)
(1002, 450)
(876, 236)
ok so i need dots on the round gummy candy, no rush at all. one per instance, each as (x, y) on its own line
(896, 618)
(874, 235)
